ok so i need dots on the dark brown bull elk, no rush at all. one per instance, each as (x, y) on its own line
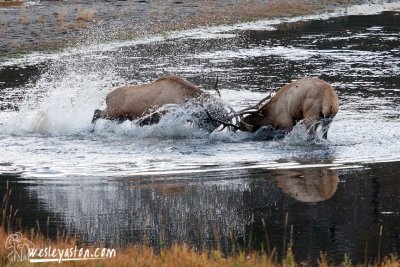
(147, 103)
(311, 100)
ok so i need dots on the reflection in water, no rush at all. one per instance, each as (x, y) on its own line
(224, 209)
(307, 185)
(164, 189)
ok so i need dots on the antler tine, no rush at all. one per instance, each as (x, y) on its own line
(224, 123)
(256, 107)
(238, 115)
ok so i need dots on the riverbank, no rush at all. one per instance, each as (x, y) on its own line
(28, 26)
(142, 255)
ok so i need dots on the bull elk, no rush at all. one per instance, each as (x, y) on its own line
(147, 103)
(311, 100)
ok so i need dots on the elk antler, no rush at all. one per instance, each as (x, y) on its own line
(224, 123)
(252, 109)
(256, 107)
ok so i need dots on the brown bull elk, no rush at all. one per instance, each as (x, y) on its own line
(311, 100)
(147, 103)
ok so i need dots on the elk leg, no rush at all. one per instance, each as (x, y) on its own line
(325, 123)
(98, 114)
(325, 135)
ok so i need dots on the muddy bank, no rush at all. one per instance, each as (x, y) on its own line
(50, 25)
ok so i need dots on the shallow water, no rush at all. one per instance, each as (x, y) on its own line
(174, 183)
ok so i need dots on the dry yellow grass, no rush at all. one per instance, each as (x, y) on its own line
(11, 3)
(60, 15)
(215, 13)
(41, 19)
(176, 255)
(23, 20)
(249, 10)
(85, 14)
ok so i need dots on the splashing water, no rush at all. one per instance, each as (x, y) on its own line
(300, 135)
(61, 102)
(178, 122)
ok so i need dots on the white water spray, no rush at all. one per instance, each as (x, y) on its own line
(61, 102)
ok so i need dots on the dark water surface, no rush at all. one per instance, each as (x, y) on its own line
(172, 183)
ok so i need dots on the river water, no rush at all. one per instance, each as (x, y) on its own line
(171, 182)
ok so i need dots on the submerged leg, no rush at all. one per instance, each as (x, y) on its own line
(98, 114)
(325, 123)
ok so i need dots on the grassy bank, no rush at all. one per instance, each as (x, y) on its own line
(177, 255)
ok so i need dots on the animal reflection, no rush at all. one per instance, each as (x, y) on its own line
(163, 189)
(307, 185)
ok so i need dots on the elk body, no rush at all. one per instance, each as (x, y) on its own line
(309, 99)
(147, 103)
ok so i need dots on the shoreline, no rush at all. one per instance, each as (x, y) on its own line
(55, 26)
